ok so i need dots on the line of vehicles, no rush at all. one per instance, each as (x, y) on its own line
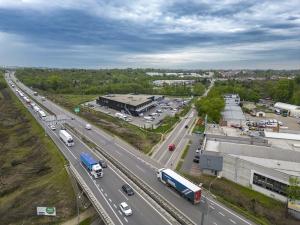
(95, 167)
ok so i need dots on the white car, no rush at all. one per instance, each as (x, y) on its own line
(88, 126)
(52, 127)
(125, 209)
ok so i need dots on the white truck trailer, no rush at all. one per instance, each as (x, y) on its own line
(66, 138)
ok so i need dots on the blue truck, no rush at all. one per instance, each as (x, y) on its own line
(91, 164)
(184, 187)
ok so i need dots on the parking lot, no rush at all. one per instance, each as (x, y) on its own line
(289, 124)
(149, 119)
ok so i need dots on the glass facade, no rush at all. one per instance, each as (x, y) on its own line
(269, 184)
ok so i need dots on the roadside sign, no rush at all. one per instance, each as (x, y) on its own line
(77, 110)
(46, 211)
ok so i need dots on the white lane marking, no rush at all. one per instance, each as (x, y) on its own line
(96, 154)
(120, 212)
(125, 219)
(221, 214)
(109, 199)
(101, 189)
(123, 194)
(140, 168)
(222, 207)
(105, 194)
(104, 197)
(232, 221)
(215, 223)
(115, 206)
(211, 207)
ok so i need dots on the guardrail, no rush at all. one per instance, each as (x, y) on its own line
(101, 211)
(171, 209)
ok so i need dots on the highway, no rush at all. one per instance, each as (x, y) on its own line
(145, 168)
(107, 189)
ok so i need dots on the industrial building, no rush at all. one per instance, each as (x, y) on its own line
(131, 104)
(232, 113)
(293, 110)
(173, 82)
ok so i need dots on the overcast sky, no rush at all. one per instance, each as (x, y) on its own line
(187, 34)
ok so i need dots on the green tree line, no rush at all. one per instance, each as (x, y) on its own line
(118, 81)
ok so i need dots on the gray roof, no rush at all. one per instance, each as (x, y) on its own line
(233, 113)
(211, 162)
(129, 99)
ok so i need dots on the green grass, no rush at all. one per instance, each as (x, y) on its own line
(32, 168)
(167, 124)
(253, 205)
(198, 128)
(87, 221)
(185, 151)
(179, 165)
(140, 138)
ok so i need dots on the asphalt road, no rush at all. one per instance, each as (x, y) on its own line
(145, 168)
(108, 188)
(178, 137)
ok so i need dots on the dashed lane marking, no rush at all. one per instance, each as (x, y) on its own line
(125, 219)
(109, 199)
(221, 214)
(115, 206)
(232, 221)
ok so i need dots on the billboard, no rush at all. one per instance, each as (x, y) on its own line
(46, 211)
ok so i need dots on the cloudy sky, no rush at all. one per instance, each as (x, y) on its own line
(196, 34)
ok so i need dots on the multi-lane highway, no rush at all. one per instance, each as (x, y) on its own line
(107, 189)
(144, 168)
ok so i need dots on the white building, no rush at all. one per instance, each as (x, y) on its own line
(173, 82)
(293, 110)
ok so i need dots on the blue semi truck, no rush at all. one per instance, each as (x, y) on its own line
(91, 164)
(186, 188)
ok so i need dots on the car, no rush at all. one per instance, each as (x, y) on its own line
(195, 160)
(88, 126)
(197, 157)
(198, 150)
(102, 163)
(127, 189)
(125, 209)
(186, 126)
(171, 147)
(52, 127)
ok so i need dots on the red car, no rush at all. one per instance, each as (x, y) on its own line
(171, 147)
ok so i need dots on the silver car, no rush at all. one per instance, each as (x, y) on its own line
(125, 209)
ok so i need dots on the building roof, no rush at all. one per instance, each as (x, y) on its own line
(233, 113)
(129, 99)
(287, 136)
(286, 106)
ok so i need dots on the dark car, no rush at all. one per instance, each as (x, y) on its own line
(186, 126)
(127, 189)
(196, 160)
(102, 163)
(197, 156)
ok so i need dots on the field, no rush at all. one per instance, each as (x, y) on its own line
(256, 206)
(141, 139)
(32, 171)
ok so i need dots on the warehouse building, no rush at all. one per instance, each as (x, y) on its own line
(131, 104)
(293, 110)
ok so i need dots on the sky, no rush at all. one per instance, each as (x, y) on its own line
(174, 34)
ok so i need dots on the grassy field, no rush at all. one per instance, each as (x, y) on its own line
(32, 170)
(256, 206)
(141, 139)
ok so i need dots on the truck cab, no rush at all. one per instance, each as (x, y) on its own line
(97, 171)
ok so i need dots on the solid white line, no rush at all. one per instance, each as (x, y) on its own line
(221, 214)
(104, 198)
(245, 221)
(232, 221)
(123, 194)
(212, 207)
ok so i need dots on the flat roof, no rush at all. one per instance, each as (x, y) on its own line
(129, 99)
(233, 113)
(287, 136)
(193, 187)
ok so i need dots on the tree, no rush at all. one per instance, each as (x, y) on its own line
(293, 190)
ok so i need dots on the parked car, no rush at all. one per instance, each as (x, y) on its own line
(102, 163)
(125, 209)
(196, 160)
(197, 156)
(127, 189)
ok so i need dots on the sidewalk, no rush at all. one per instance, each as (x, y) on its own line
(84, 215)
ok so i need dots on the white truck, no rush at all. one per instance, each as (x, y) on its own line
(66, 138)
(41, 114)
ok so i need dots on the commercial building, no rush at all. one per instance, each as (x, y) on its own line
(232, 113)
(131, 104)
(173, 82)
(293, 110)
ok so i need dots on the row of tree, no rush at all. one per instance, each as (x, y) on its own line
(104, 82)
